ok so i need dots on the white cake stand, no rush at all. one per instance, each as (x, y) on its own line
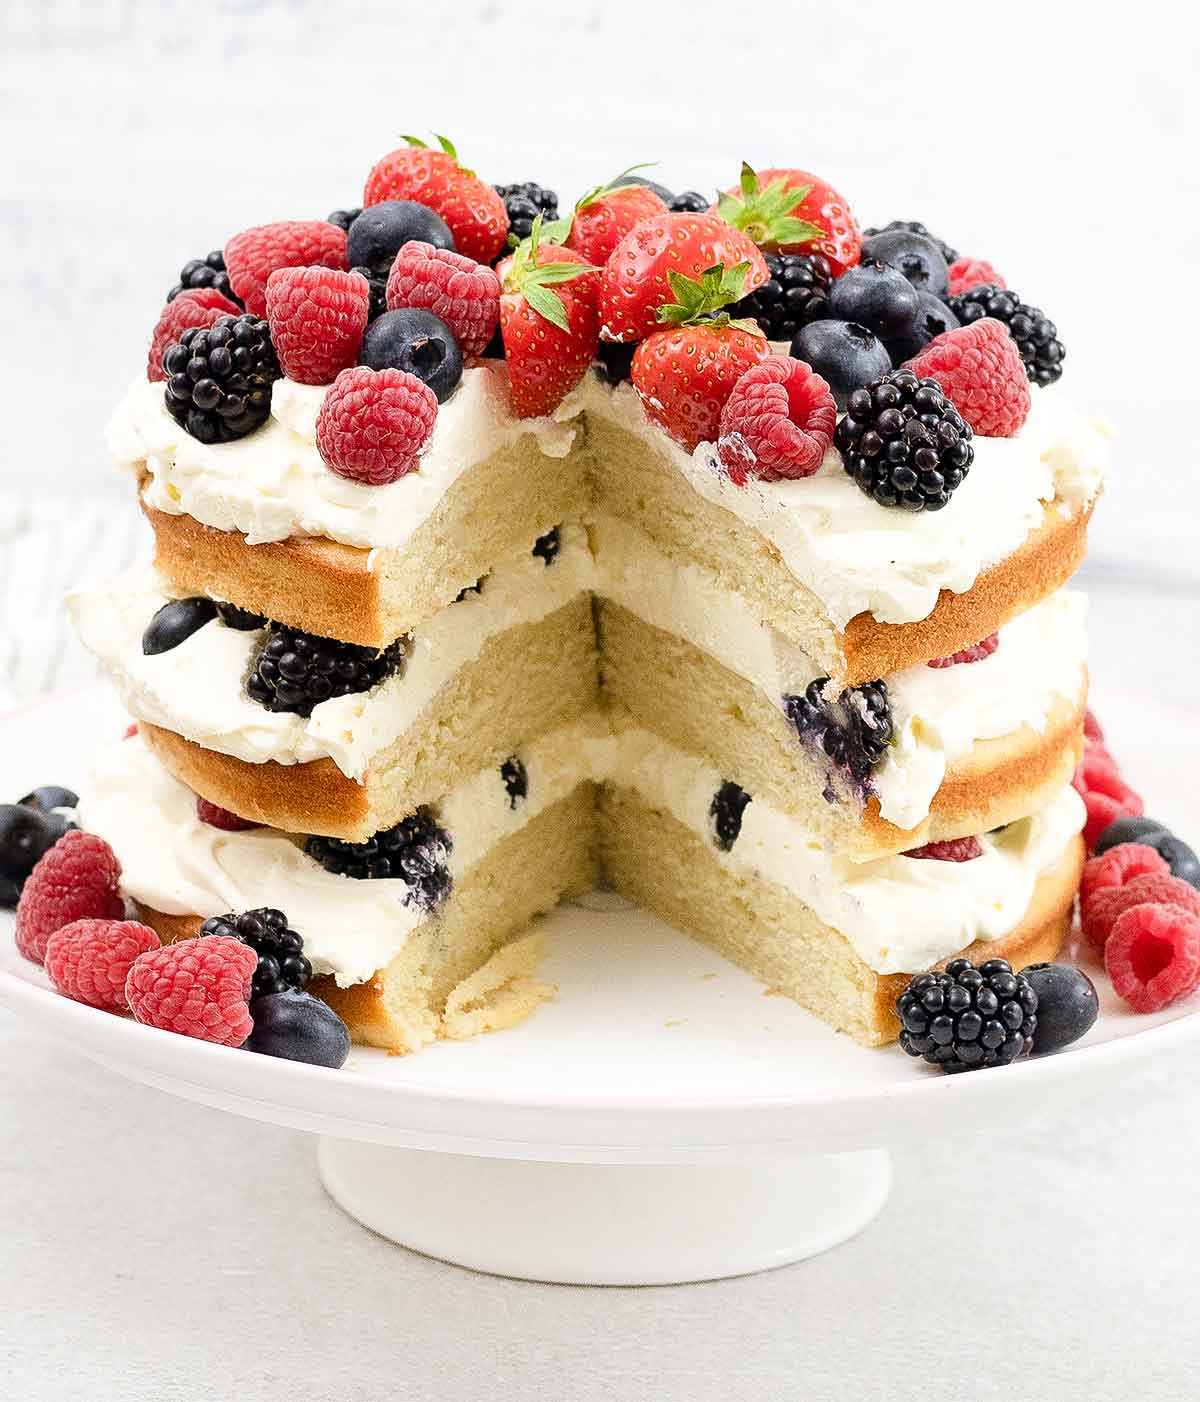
(663, 1120)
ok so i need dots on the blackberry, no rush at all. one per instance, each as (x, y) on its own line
(378, 286)
(914, 226)
(524, 202)
(854, 728)
(280, 950)
(175, 622)
(343, 218)
(415, 851)
(1035, 334)
(904, 442)
(296, 671)
(515, 779)
(547, 546)
(614, 360)
(728, 805)
(689, 202)
(219, 378)
(968, 1017)
(205, 272)
(241, 619)
(794, 294)
(476, 588)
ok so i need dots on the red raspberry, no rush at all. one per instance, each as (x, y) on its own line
(981, 370)
(199, 988)
(1153, 955)
(958, 849)
(203, 306)
(1101, 810)
(465, 294)
(374, 424)
(1099, 773)
(253, 255)
(76, 880)
(777, 421)
(1091, 727)
(966, 273)
(317, 318)
(1103, 909)
(89, 960)
(130, 730)
(221, 818)
(1118, 867)
(984, 648)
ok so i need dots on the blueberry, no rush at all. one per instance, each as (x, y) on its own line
(10, 893)
(876, 296)
(51, 796)
(845, 355)
(174, 623)
(298, 1027)
(1127, 830)
(932, 318)
(377, 234)
(918, 258)
(1067, 1005)
(1173, 850)
(415, 340)
(660, 190)
(24, 836)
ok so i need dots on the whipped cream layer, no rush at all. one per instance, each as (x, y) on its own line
(899, 914)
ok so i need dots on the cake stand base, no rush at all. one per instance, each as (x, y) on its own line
(606, 1224)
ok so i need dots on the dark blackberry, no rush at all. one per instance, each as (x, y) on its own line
(280, 950)
(795, 294)
(296, 671)
(614, 360)
(219, 378)
(175, 622)
(968, 1017)
(547, 546)
(241, 619)
(524, 202)
(205, 272)
(728, 805)
(914, 226)
(343, 218)
(415, 851)
(689, 202)
(516, 780)
(378, 286)
(853, 729)
(904, 442)
(1035, 334)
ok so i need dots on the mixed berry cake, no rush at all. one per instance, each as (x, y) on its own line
(706, 548)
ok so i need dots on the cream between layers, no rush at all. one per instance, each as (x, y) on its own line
(899, 914)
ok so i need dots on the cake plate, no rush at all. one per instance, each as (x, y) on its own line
(662, 1120)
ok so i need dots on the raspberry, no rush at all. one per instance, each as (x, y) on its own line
(1101, 810)
(317, 318)
(76, 880)
(1099, 773)
(777, 421)
(1153, 955)
(1091, 727)
(374, 424)
(253, 255)
(222, 818)
(984, 648)
(958, 849)
(970, 272)
(1102, 909)
(130, 730)
(203, 307)
(1118, 867)
(89, 960)
(198, 987)
(981, 370)
(463, 293)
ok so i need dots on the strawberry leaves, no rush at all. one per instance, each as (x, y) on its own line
(701, 299)
(765, 215)
(535, 282)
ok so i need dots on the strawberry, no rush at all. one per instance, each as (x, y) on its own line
(473, 210)
(603, 217)
(790, 211)
(634, 283)
(685, 373)
(548, 323)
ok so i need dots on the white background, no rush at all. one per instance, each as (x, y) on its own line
(152, 1249)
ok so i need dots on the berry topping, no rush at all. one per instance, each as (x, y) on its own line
(965, 1018)
(979, 368)
(1099, 774)
(376, 292)
(515, 780)
(49, 797)
(958, 849)
(634, 283)
(1091, 726)
(614, 361)
(790, 211)
(317, 318)
(373, 425)
(198, 988)
(1035, 334)
(474, 212)
(89, 960)
(915, 255)
(1128, 827)
(379, 233)
(777, 422)
(966, 273)
(794, 294)
(853, 729)
(913, 226)
(462, 294)
(523, 203)
(932, 319)
(219, 378)
(1118, 867)
(344, 218)
(417, 343)
(175, 623)
(26, 836)
(280, 950)
(296, 671)
(984, 648)
(1100, 912)
(603, 216)
(875, 296)
(239, 619)
(75, 880)
(252, 256)
(845, 355)
(687, 202)
(547, 546)
(904, 442)
(1101, 810)
(726, 810)
(668, 197)
(218, 817)
(208, 274)
(1153, 955)
(201, 308)
(416, 851)
(298, 1027)
(1067, 1005)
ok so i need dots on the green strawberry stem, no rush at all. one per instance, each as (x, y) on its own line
(444, 142)
(765, 216)
(701, 299)
(533, 282)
